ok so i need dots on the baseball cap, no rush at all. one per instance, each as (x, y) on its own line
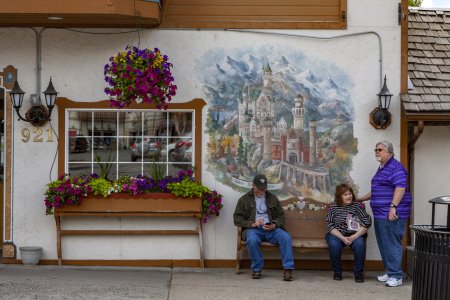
(260, 181)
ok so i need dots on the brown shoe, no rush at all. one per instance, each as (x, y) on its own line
(256, 275)
(287, 275)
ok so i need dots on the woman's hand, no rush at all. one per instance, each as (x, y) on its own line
(346, 240)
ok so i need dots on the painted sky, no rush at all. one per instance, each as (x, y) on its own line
(436, 3)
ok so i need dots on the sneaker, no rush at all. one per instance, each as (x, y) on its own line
(359, 278)
(383, 278)
(337, 276)
(256, 275)
(287, 275)
(392, 282)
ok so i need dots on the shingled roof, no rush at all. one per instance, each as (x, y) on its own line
(428, 62)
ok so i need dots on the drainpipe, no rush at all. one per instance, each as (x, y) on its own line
(37, 100)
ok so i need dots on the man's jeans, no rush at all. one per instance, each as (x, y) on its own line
(389, 238)
(335, 246)
(278, 236)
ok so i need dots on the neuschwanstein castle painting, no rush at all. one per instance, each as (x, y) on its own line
(285, 115)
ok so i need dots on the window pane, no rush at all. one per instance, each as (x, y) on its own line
(180, 123)
(126, 146)
(155, 123)
(155, 170)
(80, 149)
(175, 168)
(130, 169)
(107, 170)
(133, 123)
(180, 150)
(105, 149)
(105, 123)
(82, 169)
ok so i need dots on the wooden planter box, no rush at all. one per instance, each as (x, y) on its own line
(126, 205)
(153, 203)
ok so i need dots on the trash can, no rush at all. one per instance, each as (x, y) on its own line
(431, 276)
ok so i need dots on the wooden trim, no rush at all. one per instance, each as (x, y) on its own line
(196, 104)
(8, 174)
(428, 117)
(74, 13)
(253, 14)
(404, 49)
(302, 264)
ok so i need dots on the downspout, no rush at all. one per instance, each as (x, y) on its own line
(38, 64)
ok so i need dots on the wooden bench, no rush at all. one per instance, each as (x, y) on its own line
(306, 226)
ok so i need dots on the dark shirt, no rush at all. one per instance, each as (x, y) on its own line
(245, 212)
(337, 217)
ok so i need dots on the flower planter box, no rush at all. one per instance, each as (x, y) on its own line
(126, 205)
(153, 203)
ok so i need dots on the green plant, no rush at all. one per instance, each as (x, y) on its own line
(187, 188)
(100, 186)
(415, 3)
(104, 167)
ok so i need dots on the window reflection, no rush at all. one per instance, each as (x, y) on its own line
(129, 142)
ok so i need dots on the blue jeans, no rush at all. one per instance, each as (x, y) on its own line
(278, 236)
(389, 238)
(335, 246)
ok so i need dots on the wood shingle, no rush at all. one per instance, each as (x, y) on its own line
(428, 61)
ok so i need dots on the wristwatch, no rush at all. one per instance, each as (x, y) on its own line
(393, 205)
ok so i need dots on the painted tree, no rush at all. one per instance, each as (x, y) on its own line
(415, 3)
(241, 159)
(211, 123)
(212, 145)
(220, 148)
(230, 160)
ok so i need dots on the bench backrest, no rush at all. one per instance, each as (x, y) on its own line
(305, 217)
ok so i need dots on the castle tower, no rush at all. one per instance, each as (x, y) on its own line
(243, 110)
(313, 142)
(299, 112)
(267, 74)
(267, 138)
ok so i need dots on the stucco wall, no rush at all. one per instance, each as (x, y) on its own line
(431, 174)
(75, 61)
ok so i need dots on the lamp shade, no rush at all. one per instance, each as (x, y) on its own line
(384, 96)
(50, 95)
(16, 95)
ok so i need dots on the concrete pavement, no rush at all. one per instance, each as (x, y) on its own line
(68, 282)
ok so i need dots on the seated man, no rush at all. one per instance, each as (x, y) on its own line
(261, 217)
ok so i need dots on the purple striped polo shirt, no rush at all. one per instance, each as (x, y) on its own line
(384, 182)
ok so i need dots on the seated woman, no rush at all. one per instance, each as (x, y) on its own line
(347, 225)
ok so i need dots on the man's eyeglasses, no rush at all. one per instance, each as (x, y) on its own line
(378, 150)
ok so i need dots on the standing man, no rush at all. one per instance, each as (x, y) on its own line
(391, 204)
(261, 217)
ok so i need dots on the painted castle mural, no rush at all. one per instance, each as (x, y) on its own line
(282, 114)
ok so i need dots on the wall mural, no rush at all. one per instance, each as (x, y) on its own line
(283, 114)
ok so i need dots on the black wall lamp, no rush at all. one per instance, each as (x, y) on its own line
(380, 117)
(37, 115)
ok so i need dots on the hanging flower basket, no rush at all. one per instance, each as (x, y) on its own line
(141, 76)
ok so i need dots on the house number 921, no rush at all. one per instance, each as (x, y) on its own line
(37, 135)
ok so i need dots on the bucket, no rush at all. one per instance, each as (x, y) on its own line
(30, 255)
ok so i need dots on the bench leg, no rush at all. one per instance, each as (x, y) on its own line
(58, 239)
(238, 259)
(200, 238)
